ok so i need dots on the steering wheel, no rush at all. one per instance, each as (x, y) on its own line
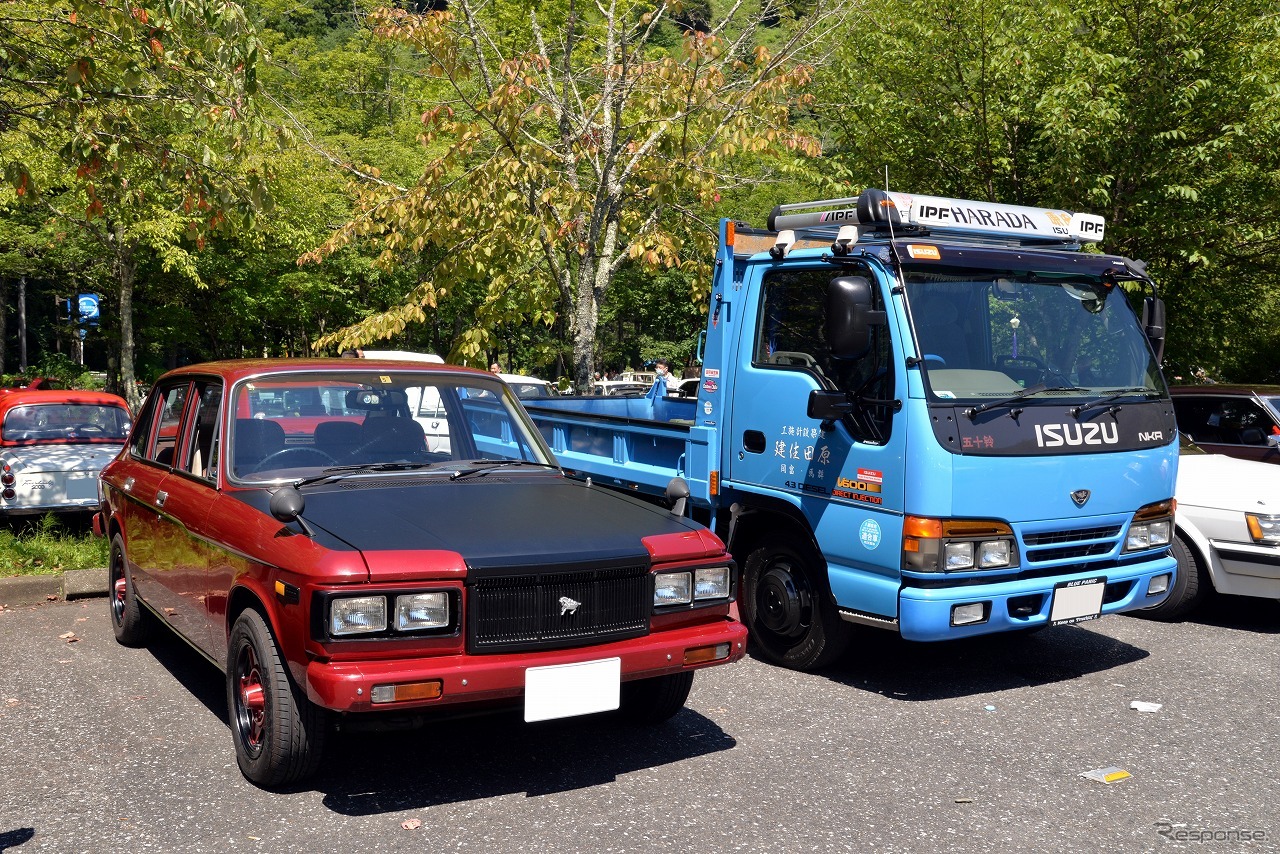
(274, 460)
(89, 428)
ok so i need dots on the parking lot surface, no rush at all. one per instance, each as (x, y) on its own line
(900, 747)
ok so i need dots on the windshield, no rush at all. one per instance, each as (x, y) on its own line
(65, 423)
(985, 334)
(293, 426)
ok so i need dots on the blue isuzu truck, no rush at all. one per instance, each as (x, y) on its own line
(939, 417)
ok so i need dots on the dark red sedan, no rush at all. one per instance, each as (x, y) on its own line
(1236, 420)
(363, 538)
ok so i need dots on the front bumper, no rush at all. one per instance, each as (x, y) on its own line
(925, 613)
(346, 686)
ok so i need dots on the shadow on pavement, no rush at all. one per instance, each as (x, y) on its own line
(18, 836)
(884, 663)
(1244, 613)
(477, 758)
(461, 759)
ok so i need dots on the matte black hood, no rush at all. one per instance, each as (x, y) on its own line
(494, 520)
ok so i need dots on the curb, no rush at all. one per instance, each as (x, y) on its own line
(38, 589)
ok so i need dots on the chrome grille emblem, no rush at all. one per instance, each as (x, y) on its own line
(568, 606)
(1080, 496)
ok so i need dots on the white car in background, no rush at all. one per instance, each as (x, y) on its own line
(529, 388)
(1227, 530)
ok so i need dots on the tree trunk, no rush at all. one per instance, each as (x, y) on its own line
(126, 270)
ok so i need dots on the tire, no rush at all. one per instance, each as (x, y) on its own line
(788, 609)
(279, 734)
(131, 621)
(1190, 586)
(652, 701)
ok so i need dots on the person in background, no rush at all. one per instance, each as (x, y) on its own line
(495, 368)
(664, 376)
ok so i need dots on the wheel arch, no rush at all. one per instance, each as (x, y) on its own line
(1200, 547)
(764, 518)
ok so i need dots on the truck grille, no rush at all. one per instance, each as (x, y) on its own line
(1073, 544)
(524, 611)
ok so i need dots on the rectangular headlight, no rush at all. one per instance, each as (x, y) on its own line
(358, 615)
(711, 583)
(1263, 529)
(994, 553)
(1139, 538)
(672, 588)
(418, 611)
(959, 555)
(1158, 533)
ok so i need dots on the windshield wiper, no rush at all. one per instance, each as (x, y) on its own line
(483, 467)
(973, 411)
(1116, 395)
(341, 471)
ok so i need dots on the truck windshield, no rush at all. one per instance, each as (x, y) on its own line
(987, 334)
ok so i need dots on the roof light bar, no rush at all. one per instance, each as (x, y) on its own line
(879, 208)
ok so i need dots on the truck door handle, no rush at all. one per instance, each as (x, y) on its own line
(753, 441)
(161, 498)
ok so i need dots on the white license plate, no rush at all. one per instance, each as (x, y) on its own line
(1077, 601)
(565, 690)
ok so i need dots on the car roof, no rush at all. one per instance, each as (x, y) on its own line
(234, 370)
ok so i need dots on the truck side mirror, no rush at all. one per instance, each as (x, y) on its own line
(1153, 324)
(850, 317)
(828, 407)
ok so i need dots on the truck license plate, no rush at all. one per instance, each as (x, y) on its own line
(565, 690)
(1077, 601)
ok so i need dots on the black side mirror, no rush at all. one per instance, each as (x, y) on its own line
(1153, 324)
(850, 317)
(286, 505)
(828, 406)
(677, 495)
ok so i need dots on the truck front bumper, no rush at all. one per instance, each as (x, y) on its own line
(348, 686)
(925, 614)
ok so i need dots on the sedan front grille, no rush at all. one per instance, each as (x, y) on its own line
(556, 609)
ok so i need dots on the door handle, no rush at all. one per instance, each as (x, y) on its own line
(161, 498)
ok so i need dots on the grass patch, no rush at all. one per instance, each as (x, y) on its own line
(47, 546)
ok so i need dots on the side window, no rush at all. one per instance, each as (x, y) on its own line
(792, 336)
(201, 455)
(166, 420)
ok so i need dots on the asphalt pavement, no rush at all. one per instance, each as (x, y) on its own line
(899, 748)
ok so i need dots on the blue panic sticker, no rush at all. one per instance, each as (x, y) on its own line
(869, 533)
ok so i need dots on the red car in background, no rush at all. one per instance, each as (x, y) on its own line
(294, 521)
(53, 445)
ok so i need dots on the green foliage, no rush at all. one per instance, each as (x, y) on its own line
(47, 546)
(1163, 116)
(551, 166)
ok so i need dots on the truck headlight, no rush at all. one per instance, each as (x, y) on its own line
(950, 545)
(418, 611)
(1263, 529)
(672, 588)
(1148, 530)
(358, 615)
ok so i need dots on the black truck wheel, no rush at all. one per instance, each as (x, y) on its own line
(279, 734)
(788, 609)
(1190, 586)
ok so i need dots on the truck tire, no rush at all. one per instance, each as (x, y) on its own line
(1190, 586)
(654, 700)
(788, 610)
(131, 621)
(279, 734)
